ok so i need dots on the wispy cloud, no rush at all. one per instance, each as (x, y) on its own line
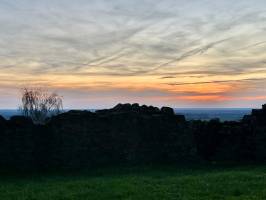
(127, 44)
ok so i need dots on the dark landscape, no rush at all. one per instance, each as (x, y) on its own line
(84, 148)
(128, 134)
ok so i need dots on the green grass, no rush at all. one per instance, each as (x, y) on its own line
(202, 183)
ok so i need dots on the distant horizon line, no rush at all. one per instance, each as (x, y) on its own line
(178, 108)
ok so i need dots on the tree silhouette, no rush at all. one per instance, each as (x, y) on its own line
(39, 104)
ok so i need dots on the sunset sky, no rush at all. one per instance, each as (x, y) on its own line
(97, 53)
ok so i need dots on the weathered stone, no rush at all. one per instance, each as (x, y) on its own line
(167, 110)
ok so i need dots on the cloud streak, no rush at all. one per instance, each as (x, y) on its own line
(222, 81)
(160, 45)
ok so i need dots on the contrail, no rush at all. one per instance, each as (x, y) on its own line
(199, 50)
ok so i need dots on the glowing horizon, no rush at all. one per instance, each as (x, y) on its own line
(99, 53)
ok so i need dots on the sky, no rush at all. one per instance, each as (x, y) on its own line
(97, 53)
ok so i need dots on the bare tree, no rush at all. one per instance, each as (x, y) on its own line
(39, 104)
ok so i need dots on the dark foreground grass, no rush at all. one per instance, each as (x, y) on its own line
(145, 183)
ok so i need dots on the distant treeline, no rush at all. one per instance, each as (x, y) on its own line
(130, 134)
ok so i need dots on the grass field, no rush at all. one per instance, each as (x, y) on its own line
(145, 183)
